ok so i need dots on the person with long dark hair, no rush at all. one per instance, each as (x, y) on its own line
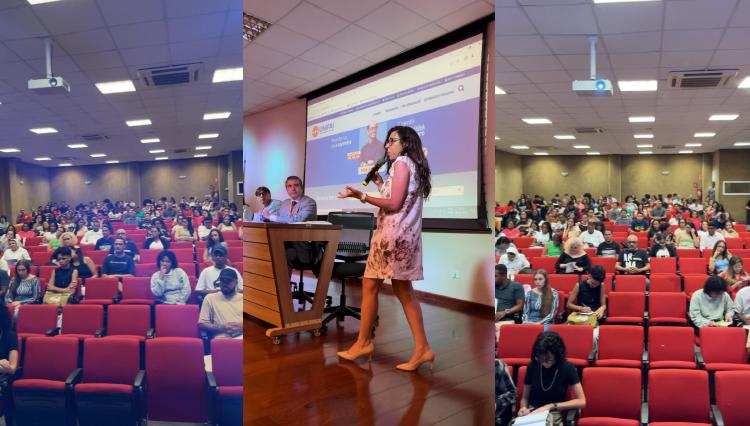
(24, 287)
(396, 246)
(8, 358)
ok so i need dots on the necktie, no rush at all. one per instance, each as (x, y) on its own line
(291, 211)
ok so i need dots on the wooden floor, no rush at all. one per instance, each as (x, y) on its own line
(302, 382)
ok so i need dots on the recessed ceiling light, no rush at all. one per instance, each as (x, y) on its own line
(723, 117)
(216, 115)
(33, 2)
(581, 146)
(227, 74)
(113, 161)
(637, 85)
(642, 119)
(200, 155)
(122, 86)
(536, 121)
(742, 144)
(78, 145)
(564, 137)
(98, 155)
(643, 136)
(203, 148)
(644, 145)
(620, 1)
(216, 135)
(139, 122)
(42, 159)
(686, 151)
(592, 153)
(519, 147)
(497, 138)
(156, 151)
(745, 84)
(499, 91)
(9, 150)
(704, 135)
(645, 152)
(541, 153)
(44, 130)
(65, 164)
(689, 145)
(150, 140)
(161, 158)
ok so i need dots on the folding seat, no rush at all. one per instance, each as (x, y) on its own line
(730, 396)
(523, 279)
(100, 291)
(591, 251)
(546, 263)
(97, 256)
(40, 395)
(87, 248)
(36, 320)
(82, 321)
(46, 271)
(37, 249)
(179, 321)
(621, 228)
(620, 236)
(723, 348)
(40, 257)
(145, 269)
(608, 263)
(149, 256)
(663, 265)
(579, 342)
(735, 244)
(693, 266)
(667, 308)
(519, 242)
(184, 256)
(693, 283)
(176, 374)
(679, 396)
(129, 227)
(741, 252)
(620, 346)
(516, 340)
(234, 235)
(111, 387)
(128, 321)
(136, 291)
(238, 243)
(683, 253)
(33, 241)
(181, 245)
(235, 256)
(642, 235)
(670, 283)
(630, 283)
(671, 347)
(201, 245)
(563, 282)
(226, 362)
(626, 308)
(602, 409)
(193, 299)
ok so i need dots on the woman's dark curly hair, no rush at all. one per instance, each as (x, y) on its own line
(549, 342)
(412, 145)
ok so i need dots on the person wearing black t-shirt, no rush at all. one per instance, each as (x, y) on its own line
(119, 263)
(632, 260)
(609, 248)
(106, 242)
(548, 377)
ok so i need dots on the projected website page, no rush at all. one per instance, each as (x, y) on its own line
(438, 95)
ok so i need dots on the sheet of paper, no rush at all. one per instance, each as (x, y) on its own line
(534, 419)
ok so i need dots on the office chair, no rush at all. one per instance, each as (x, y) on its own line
(353, 249)
(309, 254)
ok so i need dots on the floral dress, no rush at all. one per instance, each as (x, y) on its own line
(396, 246)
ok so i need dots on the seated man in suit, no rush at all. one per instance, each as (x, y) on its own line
(297, 208)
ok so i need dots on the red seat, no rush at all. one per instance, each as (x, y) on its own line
(734, 244)
(129, 320)
(723, 348)
(693, 266)
(226, 360)
(525, 279)
(730, 396)
(184, 256)
(97, 256)
(608, 263)
(667, 308)
(145, 269)
(626, 308)
(82, 321)
(665, 283)
(563, 282)
(693, 283)
(235, 256)
(519, 242)
(239, 244)
(37, 249)
(692, 403)
(530, 252)
(40, 257)
(688, 253)
(137, 291)
(35, 320)
(630, 283)
(176, 374)
(46, 271)
(620, 346)
(100, 291)
(516, 340)
(663, 265)
(178, 321)
(33, 241)
(546, 263)
(149, 256)
(181, 245)
(40, 393)
(591, 251)
(234, 235)
(620, 228)
(599, 385)
(111, 389)
(579, 342)
(741, 252)
(671, 347)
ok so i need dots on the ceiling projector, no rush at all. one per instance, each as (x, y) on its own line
(592, 87)
(52, 84)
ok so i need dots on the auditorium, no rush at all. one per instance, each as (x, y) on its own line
(367, 144)
(121, 194)
(622, 198)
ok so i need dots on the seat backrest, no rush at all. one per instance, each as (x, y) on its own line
(579, 339)
(730, 396)
(667, 305)
(524, 279)
(51, 359)
(82, 319)
(620, 342)
(626, 304)
(563, 282)
(357, 227)
(546, 263)
(532, 252)
(693, 266)
(149, 255)
(145, 269)
(46, 271)
(181, 245)
(136, 288)
(608, 263)
(664, 282)
(101, 288)
(40, 257)
(97, 256)
(516, 340)
(693, 283)
(231, 235)
(599, 386)
(631, 283)
(111, 360)
(177, 321)
(184, 256)
(735, 243)
(226, 361)
(36, 318)
(678, 396)
(671, 344)
(683, 253)
(176, 374)
(133, 320)
(723, 344)
(523, 242)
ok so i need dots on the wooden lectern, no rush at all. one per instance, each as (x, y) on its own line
(267, 291)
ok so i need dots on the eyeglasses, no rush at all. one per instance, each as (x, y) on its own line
(391, 141)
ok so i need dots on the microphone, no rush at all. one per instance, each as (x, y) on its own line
(374, 170)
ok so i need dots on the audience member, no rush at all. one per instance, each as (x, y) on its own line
(624, 218)
(118, 264)
(83, 264)
(719, 260)
(540, 304)
(155, 240)
(509, 297)
(13, 254)
(712, 306)
(609, 248)
(215, 238)
(588, 299)
(94, 234)
(515, 262)
(24, 287)
(729, 231)
(554, 247)
(661, 247)
(64, 281)
(208, 279)
(685, 236)
(170, 284)
(221, 312)
(130, 247)
(574, 260)
(633, 260)
(592, 237)
(639, 224)
(183, 231)
(710, 239)
(735, 274)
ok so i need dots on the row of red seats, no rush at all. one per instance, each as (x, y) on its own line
(658, 283)
(106, 385)
(659, 265)
(177, 245)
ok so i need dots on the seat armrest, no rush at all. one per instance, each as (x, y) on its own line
(716, 414)
(592, 356)
(151, 333)
(74, 377)
(211, 380)
(645, 316)
(116, 299)
(53, 332)
(100, 332)
(644, 358)
(644, 413)
(140, 378)
(699, 359)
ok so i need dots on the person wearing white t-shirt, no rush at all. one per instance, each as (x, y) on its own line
(514, 261)
(592, 237)
(13, 254)
(710, 238)
(92, 235)
(742, 306)
(208, 282)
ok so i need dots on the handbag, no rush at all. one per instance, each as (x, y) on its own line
(56, 298)
(577, 318)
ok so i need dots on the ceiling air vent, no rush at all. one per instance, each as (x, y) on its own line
(700, 79)
(94, 137)
(65, 158)
(170, 75)
(589, 130)
(666, 147)
(179, 151)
